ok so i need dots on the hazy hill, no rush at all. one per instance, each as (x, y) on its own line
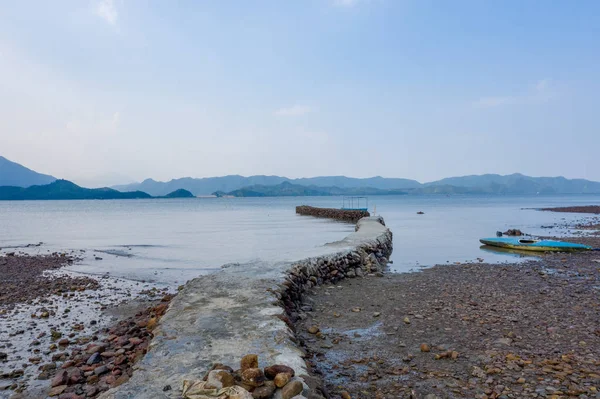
(18, 176)
(203, 186)
(13, 174)
(519, 184)
(287, 189)
(475, 184)
(378, 182)
(207, 186)
(64, 190)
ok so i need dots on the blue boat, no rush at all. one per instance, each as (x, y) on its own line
(531, 244)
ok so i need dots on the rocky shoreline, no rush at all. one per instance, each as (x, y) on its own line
(460, 331)
(63, 335)
(22, 278)
(96, 365)
(589, 209)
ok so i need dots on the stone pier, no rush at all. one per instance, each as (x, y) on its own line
(347, 215)
(245, 308)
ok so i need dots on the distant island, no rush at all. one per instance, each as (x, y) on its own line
(66, 190)
(180, 193)
(287, 189)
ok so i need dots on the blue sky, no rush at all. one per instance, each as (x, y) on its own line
(105, 92)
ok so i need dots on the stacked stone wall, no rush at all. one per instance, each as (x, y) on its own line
(346, 215)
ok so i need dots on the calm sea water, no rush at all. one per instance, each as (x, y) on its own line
(171, 241)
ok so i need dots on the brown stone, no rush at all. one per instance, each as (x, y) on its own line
(272, 371)
(108, 380)
(74, 376)
(425, 348)
(92, 379)
(249, 362)
(95, 349)
(313, 329)
(121, 380)
(59, 379)
(151, 323)
(219, 379)
(292, 389)
(253, 377)
(218, 366)
(265, 391)
(57, 390)
(91, 390)
(282, 379)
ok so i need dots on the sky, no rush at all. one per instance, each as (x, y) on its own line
(104, 92)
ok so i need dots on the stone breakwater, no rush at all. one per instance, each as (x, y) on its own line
(248, 308)
(332, 213)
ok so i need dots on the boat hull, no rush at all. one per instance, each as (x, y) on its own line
(536, 246)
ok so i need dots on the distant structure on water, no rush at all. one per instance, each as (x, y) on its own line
(355, 203)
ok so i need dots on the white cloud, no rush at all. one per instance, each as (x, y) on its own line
(296, 110)
(345, 3)
(106, 10)
(540, 93)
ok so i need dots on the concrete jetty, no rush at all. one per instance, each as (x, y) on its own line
(246, 308)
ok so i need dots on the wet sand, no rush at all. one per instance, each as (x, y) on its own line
(461, 331)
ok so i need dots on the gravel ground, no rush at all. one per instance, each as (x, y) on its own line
(66, 335)
(461, 331)
(22, 278)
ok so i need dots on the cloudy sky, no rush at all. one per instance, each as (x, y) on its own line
(112, 91)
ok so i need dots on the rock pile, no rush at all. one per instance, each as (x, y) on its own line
(248, 382)
(352, 216)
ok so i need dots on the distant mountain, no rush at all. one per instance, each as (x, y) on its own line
(203, 186)
(287, 189)
(475, 184)
(13, 174)
(518, 184)
(225, 184)
(378, 182)
(64, 190)
(446, 189)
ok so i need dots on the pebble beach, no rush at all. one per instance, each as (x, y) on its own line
(473, 330)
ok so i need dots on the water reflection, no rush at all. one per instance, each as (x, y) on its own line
(510, 252)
